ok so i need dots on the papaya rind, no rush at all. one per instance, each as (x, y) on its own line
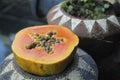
(41, 69)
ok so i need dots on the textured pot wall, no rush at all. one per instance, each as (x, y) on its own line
(98, 49)
(97, 36)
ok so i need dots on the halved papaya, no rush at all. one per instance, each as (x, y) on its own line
(44, 50)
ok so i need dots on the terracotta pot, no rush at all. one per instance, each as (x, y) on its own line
(97, 36)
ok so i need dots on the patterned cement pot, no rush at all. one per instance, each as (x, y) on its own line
(83, 67)
(97, 36)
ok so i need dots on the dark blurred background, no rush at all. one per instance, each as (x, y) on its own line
(14, 15)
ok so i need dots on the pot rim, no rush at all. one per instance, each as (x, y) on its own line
(71, 16)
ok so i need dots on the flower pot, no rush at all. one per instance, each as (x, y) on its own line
(97, 37)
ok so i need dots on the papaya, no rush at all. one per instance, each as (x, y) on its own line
(44, 50)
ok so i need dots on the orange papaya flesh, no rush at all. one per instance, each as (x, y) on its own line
(39, 62)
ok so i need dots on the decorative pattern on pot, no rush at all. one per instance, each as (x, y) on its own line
(84, 27)
(82, 68)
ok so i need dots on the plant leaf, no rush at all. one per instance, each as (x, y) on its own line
(70, 8)
(106, 5)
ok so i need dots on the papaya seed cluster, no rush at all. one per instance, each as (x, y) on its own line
(45, 41)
